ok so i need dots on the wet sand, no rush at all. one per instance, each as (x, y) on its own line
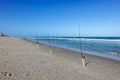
(24, 60)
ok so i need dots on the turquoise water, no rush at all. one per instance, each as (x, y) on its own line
(101, 46)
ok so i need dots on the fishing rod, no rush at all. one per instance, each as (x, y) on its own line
(50, 48)
(80, 46)
(37, 37)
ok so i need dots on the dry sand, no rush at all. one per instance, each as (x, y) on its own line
(24, 60)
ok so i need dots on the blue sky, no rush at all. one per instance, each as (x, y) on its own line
(60, 17)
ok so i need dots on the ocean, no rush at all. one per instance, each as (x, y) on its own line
(108, 47)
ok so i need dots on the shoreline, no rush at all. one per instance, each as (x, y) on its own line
(21, 59)
(107, 56)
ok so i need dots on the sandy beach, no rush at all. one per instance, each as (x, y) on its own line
(24, 60)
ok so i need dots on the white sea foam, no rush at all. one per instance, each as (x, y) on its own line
(86, 39)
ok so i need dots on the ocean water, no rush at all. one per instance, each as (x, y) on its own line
(108, 47)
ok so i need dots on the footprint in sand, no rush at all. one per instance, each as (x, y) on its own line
(3, 52)
(6, 74)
